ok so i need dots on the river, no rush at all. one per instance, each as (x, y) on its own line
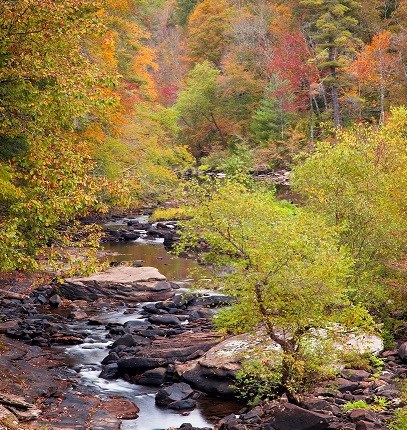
(86, 358)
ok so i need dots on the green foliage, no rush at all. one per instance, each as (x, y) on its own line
(184, 9)
(359, 404)
(379, 403)
(359, 186)
(168, 214)
(196, 108)
(400, 420)
(271, 120)
(367, 361)
(240, 160)
(286, 270)
(257, 380)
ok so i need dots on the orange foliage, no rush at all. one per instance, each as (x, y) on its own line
(375, 62)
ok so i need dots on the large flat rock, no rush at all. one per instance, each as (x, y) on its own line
(123, 275)
(135, 284)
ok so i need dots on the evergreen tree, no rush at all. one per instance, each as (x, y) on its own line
(184, 9)
(332, 23)
(270, 120)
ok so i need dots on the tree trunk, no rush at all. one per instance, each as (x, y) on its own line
(335, 106)
(382, 87)
(222, 137)
(311, 122)
(286, 380)
(334, 88)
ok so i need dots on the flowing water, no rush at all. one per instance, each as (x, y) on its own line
(86, 358)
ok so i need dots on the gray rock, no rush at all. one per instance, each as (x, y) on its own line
(111, 358)
(346, 385)
(137, 365)
(173, 393)
(402, 351)
(165, 320)
(355, 375)
(55, 301)
(291, 417)
(153, 377)
(182, 404)
(109, 371)
(130, 340)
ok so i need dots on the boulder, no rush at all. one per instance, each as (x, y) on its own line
(402, 351)
(111, 358)
(345, 385)
(206, 380)
(137, 365)
(173, 393)
(123, 275)
(290, 417)
(165, 320)
(182, 404)
(214, 372)
(130, 284)
(121, 408)
(355, 375)
(130, 340)
(110, 371)
(130, 235)
(55, 301)
(154, 377)
(356, 415)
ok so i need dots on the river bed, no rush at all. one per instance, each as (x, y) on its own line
(86, 358)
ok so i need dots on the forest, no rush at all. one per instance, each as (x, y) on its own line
(189, 107)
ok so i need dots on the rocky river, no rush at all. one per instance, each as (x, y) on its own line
(133, 348)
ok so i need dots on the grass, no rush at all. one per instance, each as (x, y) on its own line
(168, 214)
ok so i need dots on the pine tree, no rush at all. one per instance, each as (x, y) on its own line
(332, 23)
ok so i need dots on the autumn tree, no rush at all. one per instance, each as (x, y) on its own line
(47, 89)
(375, 66)
(207, 31)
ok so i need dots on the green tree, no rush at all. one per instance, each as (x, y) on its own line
(197, 107)
(271, 119)
(183, 10)
(360, 186)
(333, 24)
(285, 268)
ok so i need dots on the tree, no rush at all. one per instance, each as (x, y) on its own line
(285, 268)
(375, 65)
(197, 108)
(70, 72)
(360, 186)
(332, 24)
(183, 10)
(270, 120)
(207, 27)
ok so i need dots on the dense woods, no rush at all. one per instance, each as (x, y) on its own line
(113, 104)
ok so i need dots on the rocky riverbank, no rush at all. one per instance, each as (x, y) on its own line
(168, 342)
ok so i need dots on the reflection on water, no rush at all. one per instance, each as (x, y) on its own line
(151, 254)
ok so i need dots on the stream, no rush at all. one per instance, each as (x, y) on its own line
(86, 358)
